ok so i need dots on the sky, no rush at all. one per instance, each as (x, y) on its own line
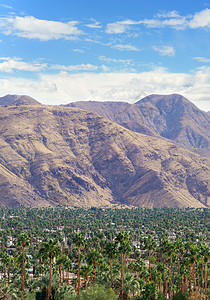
(117, 50)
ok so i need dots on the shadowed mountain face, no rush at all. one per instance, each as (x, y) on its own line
(172, 117)
(18, 100)
(67, 156)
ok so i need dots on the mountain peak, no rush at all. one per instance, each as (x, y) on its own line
(18, 100)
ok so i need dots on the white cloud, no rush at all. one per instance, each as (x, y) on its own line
(81, 67)
(202, 59)
(167, 19)
(127, 47)
(114, 60)
(9, 65)
(94, 24)
(120, 26)
(6, 6)
(169, 14)
(165, 50)
(44, 30)
(65, 87)
(78, 50)
(200, 19)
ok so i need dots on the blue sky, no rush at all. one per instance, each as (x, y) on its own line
(63, 51)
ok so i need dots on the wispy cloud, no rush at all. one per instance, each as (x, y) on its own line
(165, 50)
(6, 6)
(127, 47)
(81, 67)
(94, 24)
(9, 65)
(78, 50)
(202, 59)
(44, 30)
(169, 14)
(167, 19)
(115, 60)
(120, 26)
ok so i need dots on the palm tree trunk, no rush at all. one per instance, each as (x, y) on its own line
(86, 283)
(185, 283)
(190, 282)
(121, 281)
(8, 275)
(50, 286)
(5, 275)
(179, 274)
(63, 273)
(170, 278)
(60, 274)
(206, 282)
(94, 268)
(150, 273)
(111, 276)
(164, 279)
(78, 272)
(202, 283)
(23, 272)
(194, 275)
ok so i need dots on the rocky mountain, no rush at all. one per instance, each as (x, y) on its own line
(18, 100)
(53, 155)
(169, 116)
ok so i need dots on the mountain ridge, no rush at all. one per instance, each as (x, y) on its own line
(56, 155)
(170, 116)
(18, 100)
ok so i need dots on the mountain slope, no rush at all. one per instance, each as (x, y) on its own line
(67, 156)
(170, 116)
(18, 100)
(177, 119)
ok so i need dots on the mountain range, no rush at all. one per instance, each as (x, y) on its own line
(153, 153)
(169, 116)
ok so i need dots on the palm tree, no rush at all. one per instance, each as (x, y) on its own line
(206, 255)
(86, 270)
(93, 258)
(6, 262)
(110, 251)
(150, 245)
(124, 248)
(171, 251)
(131, 284)
(23, 242)
(50, 250)
(194, 256)
(79, 242)
(179, 252)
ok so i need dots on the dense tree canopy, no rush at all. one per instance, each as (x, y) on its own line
(124, 253)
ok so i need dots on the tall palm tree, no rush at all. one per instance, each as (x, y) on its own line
(93, 258)
(124, 248)
(50, 250)
(206, 256)
(163, 251)
(150, 245)
(179, 252)
(111, 250)
(79, 242)
(194, 256)
(86, 270)
(23, 242)
(6, 262)
(171, 251)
